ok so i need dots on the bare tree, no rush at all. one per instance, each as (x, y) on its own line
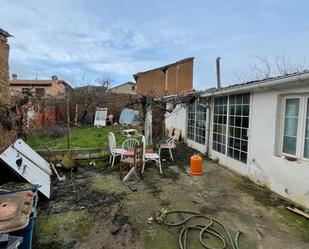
(266, 68)
(263, 69)
(284, 65)
(89, 95)
(105, 80)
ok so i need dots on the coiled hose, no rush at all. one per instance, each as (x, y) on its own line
(204, 229)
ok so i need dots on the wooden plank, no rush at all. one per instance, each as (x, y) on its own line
(171, 131)
(298, 211)
(177, 133)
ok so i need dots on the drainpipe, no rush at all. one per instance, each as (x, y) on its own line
(177, 78)
(166, 80)
(218, 72)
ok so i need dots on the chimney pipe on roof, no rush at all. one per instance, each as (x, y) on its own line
(14, 76)
(218, 72)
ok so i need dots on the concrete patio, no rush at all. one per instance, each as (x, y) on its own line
(94, 209)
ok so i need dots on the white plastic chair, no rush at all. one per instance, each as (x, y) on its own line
(128, 147)
(112, 148)
(170, 144)
(150, 157)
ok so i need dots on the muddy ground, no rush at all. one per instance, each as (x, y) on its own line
(94, 209)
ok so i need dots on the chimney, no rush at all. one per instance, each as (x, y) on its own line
(14, 76)
(218, 72)
(54, 77)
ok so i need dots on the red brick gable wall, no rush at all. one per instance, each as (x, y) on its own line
(154, 80)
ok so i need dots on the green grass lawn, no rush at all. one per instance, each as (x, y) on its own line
(81, 137)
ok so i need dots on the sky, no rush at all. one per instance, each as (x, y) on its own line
(82, 41)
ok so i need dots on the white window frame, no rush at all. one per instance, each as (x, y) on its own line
(301, 126)
(196, 137)
(238, 127)
(228, 126)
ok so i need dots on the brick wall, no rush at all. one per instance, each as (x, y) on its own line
(7, 134)
(114, 102)
(179, 79)
(4, 72)
(45, 114)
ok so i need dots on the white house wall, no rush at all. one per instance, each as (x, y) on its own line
(288, 178)
(177, 119)
(200, 147)
(265, 165)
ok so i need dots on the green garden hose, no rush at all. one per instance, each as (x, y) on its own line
(225, 238)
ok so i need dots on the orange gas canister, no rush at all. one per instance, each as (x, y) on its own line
(196, 165)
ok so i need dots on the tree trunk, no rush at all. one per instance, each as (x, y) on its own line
(148, 123)
(68, 116)
(76, 114)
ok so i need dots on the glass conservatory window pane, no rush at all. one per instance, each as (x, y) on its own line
(290, 126)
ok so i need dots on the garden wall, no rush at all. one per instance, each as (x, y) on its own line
(90, 97)
(7, 134)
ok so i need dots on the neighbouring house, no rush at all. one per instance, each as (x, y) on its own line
(127, 88)
(43, 88)
(7, 135)
(259, 129)
(167, 80)
(45, 105)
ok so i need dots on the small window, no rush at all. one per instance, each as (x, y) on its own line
(290, 126)
(40, 91)
(133, 88)
(26, 90)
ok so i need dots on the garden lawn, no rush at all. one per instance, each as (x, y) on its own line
(81, 137)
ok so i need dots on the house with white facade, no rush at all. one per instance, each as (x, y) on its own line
(259, 129)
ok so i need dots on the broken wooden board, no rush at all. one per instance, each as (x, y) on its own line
(177, 134)
(29, 165)
(298, 211)
(171, 131)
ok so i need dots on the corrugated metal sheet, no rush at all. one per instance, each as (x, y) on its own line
(129, 116)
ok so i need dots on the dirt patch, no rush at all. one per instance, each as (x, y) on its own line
(76, 209)
(261, 194)
(75, 193)
(170, 174)
(181, 154)
(269, 199)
